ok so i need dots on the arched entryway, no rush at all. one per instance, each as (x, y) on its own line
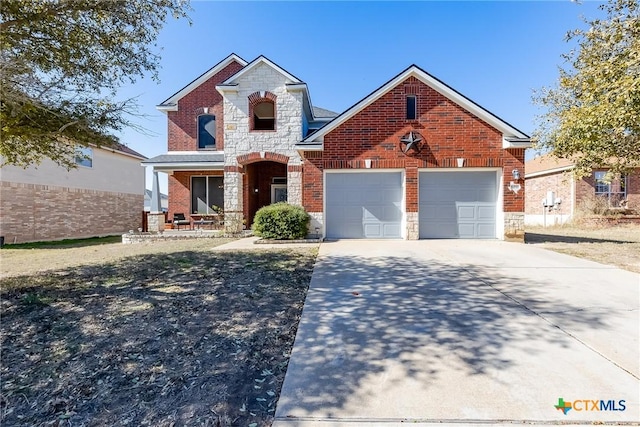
(265, 182)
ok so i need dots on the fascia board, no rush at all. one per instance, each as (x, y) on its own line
(548, 171)
(511, 143)
(172, 101)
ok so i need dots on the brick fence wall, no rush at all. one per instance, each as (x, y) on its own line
(31, 212)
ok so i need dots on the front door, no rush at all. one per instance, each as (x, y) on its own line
(278, 193)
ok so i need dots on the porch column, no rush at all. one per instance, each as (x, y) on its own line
(156, 216)
(294, 184)
(233, 205)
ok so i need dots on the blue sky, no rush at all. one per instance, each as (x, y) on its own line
(494, 52)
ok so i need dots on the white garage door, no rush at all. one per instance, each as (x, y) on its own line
(364, 205)
(458, 205)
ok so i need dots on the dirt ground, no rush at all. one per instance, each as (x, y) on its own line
(619, 245)
(161, 334)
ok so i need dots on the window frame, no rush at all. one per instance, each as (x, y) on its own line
(607, 189)
(209, 203)
(414, 108)
(203, 128)
(271, 120)
(83, 156)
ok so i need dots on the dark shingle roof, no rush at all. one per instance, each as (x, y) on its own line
(216, 156)
(322, 112)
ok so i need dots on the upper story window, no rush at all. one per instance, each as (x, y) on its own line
(264, 117)
(262, 111)
(206, 131)
(84, 157)
(614, 190)
(411, 107)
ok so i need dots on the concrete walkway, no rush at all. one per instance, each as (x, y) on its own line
(462, 333)
(247, 243)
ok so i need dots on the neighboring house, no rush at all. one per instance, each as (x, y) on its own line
(554, 195)
(164, 201)
(104, 195)
(414, 159)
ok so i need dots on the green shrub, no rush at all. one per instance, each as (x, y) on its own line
(281, 221)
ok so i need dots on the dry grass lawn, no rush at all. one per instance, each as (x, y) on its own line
(619, 245)
(162, 334)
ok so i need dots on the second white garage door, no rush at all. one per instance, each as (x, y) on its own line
(364, 205)
(458, 205)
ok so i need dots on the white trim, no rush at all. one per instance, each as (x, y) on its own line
(296, 87)
(194, 166)
(548, 171)
(516, 143)
(171, 103)
(198, 152)
(451, 94)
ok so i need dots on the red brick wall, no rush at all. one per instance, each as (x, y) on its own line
(538, 187)
(448, 130)
(586, 187)
(182, 130)
(560, 183)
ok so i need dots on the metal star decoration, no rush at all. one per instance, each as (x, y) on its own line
(411, 141)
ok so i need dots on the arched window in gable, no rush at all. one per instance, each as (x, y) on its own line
(262, 110)
(206, 131)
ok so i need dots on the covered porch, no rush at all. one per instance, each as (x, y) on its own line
(204, 194)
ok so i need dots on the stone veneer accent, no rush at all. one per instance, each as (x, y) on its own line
(317, 220)
(155, 222)
(240, 140)
(514, 226)
(32, 212)
(413, 229)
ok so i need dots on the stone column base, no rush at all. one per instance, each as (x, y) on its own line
(413, 228)
(155, 223)
(514, 227)
(233, 222)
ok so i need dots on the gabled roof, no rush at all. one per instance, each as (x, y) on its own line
(117, 147)
(171, 103)
(324, 113)
(546, 164)
(294, 84)
(512, 137)
(258, 61)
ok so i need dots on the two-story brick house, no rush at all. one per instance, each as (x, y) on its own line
(414, 159)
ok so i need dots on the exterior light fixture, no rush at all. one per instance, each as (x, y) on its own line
(515, 174)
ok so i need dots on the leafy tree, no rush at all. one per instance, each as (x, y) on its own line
(593, 115)
(61, 63)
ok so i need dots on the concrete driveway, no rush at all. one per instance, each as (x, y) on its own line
(462, 333)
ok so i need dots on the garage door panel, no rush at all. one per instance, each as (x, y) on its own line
(486, 231)
(466, 231)
(457, 204)
(364, 205)
(487, 213)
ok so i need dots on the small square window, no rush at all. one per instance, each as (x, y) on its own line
(84, 157)
(411, 107)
